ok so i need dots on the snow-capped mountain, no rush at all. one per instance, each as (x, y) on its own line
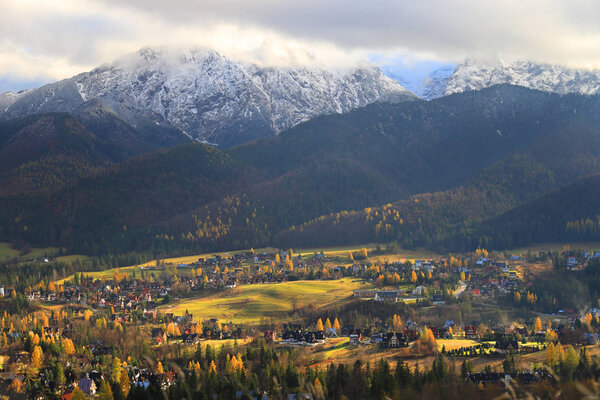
(210, 97)
(475, 75)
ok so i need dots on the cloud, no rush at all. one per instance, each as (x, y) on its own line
(51, 39)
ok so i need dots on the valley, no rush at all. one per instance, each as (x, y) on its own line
(411, 245)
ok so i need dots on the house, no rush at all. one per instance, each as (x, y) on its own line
(394, 340)
(191, 338)
(377, 337)
(507, 346)
(476, 292)
(591, 339)
(87, 386)
(438, 300)
(270, 336)
(418, 291)
(158, 335)
(388, 296)
(354, 339)
(471, 332)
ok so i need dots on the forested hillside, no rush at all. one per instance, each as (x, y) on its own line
(443, 166)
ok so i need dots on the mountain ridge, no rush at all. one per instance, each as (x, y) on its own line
(210, 97)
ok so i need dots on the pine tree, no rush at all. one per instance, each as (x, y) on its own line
(78, 394)
(105, 392)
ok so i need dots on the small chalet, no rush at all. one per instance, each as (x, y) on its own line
(87, 386)
(471, 332)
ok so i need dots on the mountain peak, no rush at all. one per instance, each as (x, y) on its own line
(211, 97)
(475, 74)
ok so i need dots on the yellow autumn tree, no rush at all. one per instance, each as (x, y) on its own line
(396, 323)
(336, 325)
(413, 276)
(517, 297)
(364, 252)
(537, 326)
(318, 389)
(551, 355)
(212, 368)
(288, 263)
(125, 383)
(68, 346)
(327, 324)
(159, 368)
(37, 357)
(319, 325)
(87, 314)
(550, 335)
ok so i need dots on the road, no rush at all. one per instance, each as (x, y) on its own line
(462, 287)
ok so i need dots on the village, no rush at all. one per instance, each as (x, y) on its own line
(143, 302)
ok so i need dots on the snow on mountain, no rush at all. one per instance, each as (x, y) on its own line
(210, 97)
(435, 84)
(7, 99)
(476, 74)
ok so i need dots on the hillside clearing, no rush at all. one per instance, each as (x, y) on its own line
(251, 304)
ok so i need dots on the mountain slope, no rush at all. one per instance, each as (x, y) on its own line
(569, 213)
(478, 153)
(45, 151)
(210, 97)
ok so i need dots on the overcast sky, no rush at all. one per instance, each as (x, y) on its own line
(45, 40)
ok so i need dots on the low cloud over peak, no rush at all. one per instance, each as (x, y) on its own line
(48, 40)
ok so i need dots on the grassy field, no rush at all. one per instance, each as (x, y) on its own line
(250, 304)
(6, 251)
(451, 344)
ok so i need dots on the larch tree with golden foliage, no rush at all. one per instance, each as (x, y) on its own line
(319, 325)
(37, 357)
(413, 276)
(537, 326)
(67, 346)
(212, 368)
(336, 325)
(396, 323)
(517, 297)
(327, 324)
